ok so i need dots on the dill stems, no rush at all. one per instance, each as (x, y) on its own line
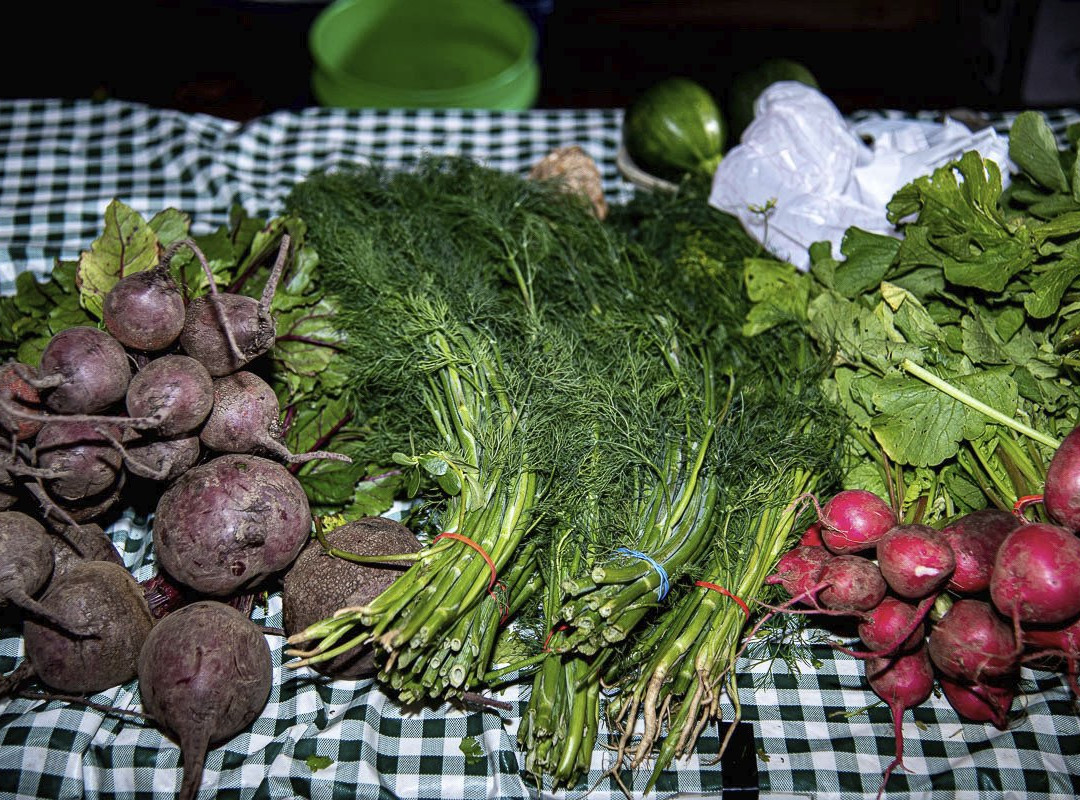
(576, 400)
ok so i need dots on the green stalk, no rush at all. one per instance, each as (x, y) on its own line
(963, 397)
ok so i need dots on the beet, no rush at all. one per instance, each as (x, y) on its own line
(85, 369)
(145, 310)
(227, 331)
(903, 682)
(318, 583)
(81, 459)
(229, 524)
(1036, 576)
(915, 560)
(205, 673)
(853, 520)
(26, 562)
(972, 643)
(975, 539)
(1058, 641)
(175, 391)
(78, 543)
(161, 459)
(105, 603)
(799, 569)
(15, 388)
(852, 583)
(245, 417)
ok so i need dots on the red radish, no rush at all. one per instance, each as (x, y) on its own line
(903, 682)
(1061, 490)
(853, 520)
(980, 702)
(973, 643)
(1036, 577)
(1061, 641)
(799, 569)
(915, 560)
(851, 583)
(812, 536)
(975, 539)
(883, 627)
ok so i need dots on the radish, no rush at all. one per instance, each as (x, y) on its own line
(1036, 576)
(975, 539)
(205, 673)
(980, 702)
(851, 583)
(973, 643)
(799, 569)
(104, 603)
(903, 682)
(812, 536)
(229, 524)
(1060, 641)
(1061, 490)
(853, 520)
(892, 625)
(915, 560)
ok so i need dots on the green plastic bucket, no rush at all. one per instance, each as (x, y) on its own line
(424, 54)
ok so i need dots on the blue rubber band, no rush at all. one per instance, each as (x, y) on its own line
(662, 589)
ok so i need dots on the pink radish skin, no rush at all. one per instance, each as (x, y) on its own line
(1062, 641)
(812, 536)
(1036, 577)
(799, 569)
(853, 520)
(903, 682)
(883, 625)
(851, 584)
(975, 539)
(915, 560)
(1061, 491)
(973, 643)
(980, 702)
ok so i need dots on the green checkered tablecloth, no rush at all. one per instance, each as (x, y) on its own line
(819, 731)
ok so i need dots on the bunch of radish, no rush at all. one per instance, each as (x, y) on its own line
(963, 607)
(164, 397)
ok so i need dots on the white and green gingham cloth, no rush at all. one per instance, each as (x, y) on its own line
(819, 732)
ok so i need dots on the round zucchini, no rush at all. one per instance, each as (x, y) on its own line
(673, 128)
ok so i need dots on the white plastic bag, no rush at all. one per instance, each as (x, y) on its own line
(803, 174)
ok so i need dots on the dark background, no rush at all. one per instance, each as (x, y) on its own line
(238, 59)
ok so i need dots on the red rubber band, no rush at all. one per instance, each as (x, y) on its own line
(558, 626)
(1022, 503)
(491, 565)
(718, 588)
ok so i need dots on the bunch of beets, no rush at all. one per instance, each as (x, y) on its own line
(964, 606)
(164, 394)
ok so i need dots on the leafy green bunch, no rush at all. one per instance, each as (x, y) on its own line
(954, 346)
(301, 367)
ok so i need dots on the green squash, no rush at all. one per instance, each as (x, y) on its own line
(674, 128)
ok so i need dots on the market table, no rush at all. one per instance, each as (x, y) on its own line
(818, 730)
